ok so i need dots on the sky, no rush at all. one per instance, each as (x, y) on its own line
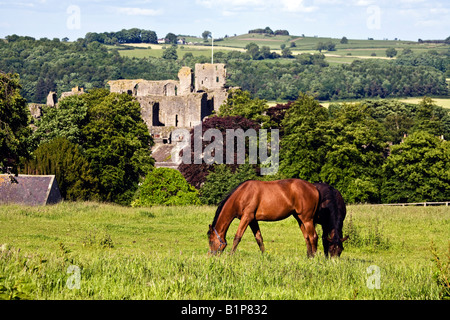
(355, 19)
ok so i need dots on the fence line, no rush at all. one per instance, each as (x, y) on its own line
(440, 203)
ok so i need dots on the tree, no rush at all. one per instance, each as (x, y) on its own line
(170, 53)
(117, 144)
(171, 38)
(267, 30)
(391, 52)
(302, 150)
(344, 40)
(14, 119)
(253, 50)
(431, 118)
(281, 32)
(321, 46)
(286, 53)
(265, 52)
(417, 170)
(165, 186)
(196, 174)
(330, 46)
(65, 160)
(396, 117)
(148, 36)
(355, 148)
(205, 35)
(240, 103)
(277, 115)
(66, 121)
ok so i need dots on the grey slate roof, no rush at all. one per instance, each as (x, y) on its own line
(29, 189)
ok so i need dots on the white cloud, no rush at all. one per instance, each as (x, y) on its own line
(296, 6)
(412, 1)
(363, 3)
(328, 2)
(230, 3)
(230, 7)
(139, 11)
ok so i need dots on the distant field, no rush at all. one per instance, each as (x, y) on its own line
(100, 251)
(443, 102)
(345, 53)
(142, 50)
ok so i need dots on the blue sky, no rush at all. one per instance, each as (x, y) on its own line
(355, 19)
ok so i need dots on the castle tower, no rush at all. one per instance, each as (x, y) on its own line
(186, 81)
(209, 76)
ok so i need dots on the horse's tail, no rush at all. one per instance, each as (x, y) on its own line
(222, 203)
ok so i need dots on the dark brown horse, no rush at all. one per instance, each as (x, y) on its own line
(254, 201)
(331, 215)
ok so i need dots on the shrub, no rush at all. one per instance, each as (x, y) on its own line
(164, 186)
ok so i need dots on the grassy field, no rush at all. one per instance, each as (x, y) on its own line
(101, 251)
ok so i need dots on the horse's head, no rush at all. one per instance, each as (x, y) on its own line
(331, 214)
(335, 246)
(216, 243)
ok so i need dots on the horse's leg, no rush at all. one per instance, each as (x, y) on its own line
(245, 220)
(257, 233)
(310, 235)
(325, 242)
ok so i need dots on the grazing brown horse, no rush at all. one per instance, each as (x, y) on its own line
(331, 215)
(254, 201)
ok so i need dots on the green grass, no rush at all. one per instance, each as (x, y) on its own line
(161, 253)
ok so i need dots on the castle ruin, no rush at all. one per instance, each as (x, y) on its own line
(170, 104)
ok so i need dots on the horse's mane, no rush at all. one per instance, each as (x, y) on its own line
(222, 203)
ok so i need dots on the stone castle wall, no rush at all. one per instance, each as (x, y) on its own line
(169, 104)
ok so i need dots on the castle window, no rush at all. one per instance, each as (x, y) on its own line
(176, 90)
(217, 79)
(176, 120)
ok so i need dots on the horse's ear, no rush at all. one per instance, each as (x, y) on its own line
(344, 238)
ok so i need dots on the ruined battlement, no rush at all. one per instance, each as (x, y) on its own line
(174, 104)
